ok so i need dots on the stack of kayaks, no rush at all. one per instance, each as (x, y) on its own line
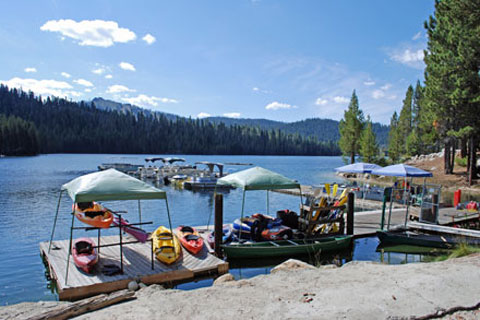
(227, 235)
(166, 245)
(190, 239)
(261, 227)
(93, 214)
(84, 254)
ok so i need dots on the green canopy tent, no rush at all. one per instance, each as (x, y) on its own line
(258, 178)
(108, 185)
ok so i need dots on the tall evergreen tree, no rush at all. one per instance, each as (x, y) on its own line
(405, 119)
(394, 140)
(350, 128)
(368, 142)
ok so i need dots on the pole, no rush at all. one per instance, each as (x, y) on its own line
(139, 211)
(170, 225)
(218, 230)
(241, 216)
(69, 249)
(384, 205)
(55, 221)
(350, 211)
(268, 204)
(121, 242)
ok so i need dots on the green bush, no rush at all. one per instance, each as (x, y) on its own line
(462, 162)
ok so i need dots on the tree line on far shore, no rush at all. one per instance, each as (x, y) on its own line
(444, 113)
(32, 125)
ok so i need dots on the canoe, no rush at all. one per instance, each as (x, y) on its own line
(93, 214)
(416, 238)
(139, 234)
(227, 235)
(286, 247)
(84, 254)
(190, 239)
(166, 245)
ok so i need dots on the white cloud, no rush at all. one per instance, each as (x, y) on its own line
(74, 93)
(321, 102)
(40, 87)
(203, 115)
(143, 100)
(255, 89)
(369, 83)
(99, 33)
(98, 71)
(83, 82)
(232, 114)
(30, 70)
(386, 87)
(277, 106)
(340, 99)
(117, 88)
(412, 57)
(417, 36)
(87, 90)
(378, 94)
(126, 66)
(108, 76)
(149, 39)
(66, 75)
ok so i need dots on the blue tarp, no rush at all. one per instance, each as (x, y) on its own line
(401, 170)
(360, 167)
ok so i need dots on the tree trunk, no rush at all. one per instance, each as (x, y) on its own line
(468, 157)
(352, 158)
(463, 147)
(446, 158)
(472, 173)
(452, 158)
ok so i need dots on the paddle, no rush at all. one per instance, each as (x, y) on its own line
(327, 188)
(335, 189)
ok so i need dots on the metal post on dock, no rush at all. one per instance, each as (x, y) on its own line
(350, 211)
(218, 230)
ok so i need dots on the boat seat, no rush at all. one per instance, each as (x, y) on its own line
(191, 237)
(274, 244)
(83, 247)
(186, 229)
(93, 214)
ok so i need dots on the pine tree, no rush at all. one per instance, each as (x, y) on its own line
(394, 140)
(405, 119)
(368, 143)
(350, 128)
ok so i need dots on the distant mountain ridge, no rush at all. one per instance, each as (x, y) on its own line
(323, 129)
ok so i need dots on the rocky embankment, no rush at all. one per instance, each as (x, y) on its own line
(295, 290)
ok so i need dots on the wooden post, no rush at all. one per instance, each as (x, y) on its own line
(218, 230)
(350, 210)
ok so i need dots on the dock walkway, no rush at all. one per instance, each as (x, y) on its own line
(136, 263)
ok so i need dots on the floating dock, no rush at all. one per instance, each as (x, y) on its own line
(137, 265)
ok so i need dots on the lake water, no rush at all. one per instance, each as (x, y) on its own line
(30, 187)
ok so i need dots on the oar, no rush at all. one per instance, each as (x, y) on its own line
(335, 189)
(327, 188)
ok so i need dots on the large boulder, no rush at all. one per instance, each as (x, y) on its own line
(292, 264)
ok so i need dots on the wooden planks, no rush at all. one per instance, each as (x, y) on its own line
(136, 264)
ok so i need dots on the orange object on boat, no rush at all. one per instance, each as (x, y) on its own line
(93, 214)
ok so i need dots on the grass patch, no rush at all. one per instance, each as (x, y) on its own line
(462, 162)
(461, 251)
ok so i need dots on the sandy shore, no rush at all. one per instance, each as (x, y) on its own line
(358, 290)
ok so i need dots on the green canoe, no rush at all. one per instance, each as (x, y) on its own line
(284, 248)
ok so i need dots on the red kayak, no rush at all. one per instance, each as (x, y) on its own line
(84, 254)
(190, 239)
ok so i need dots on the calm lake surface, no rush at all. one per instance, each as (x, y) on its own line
(30, 187)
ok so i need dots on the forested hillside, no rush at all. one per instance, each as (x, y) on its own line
(69, 127)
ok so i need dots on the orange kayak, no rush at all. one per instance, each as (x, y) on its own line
(190, 239)
(93, 214)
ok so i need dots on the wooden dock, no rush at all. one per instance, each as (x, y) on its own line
(136, 263)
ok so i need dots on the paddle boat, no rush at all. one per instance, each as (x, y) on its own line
(166, 246)
(190, 239)
(84, 254)
(93, 214)
(139, 234)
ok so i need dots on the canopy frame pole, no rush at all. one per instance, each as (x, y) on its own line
(55, 220)
(390, 207)
(69, 248)
(170, 225)
(213, 209)
(139, 211)
(268, 204)
(407, 198)
(241, 216)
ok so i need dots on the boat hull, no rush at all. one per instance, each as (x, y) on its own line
(85, 261)
(425, 240)
(283, 248)
(103, 220)
(139, 234)
(166, 246)
(190, 239)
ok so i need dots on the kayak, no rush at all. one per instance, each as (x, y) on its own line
(277, 233)
(227, 235)
(93, 214)
(190, 239)
(139, 234)
(166, 246)
(84, 254)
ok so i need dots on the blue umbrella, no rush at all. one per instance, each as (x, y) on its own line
(401, 170)
(359, 167)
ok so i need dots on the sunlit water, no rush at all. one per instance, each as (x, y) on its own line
(30, 188)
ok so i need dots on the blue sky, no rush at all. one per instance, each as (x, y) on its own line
(280, 60)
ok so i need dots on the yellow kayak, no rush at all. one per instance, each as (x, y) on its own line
(166, 245)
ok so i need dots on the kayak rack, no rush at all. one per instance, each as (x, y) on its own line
(121, 243)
